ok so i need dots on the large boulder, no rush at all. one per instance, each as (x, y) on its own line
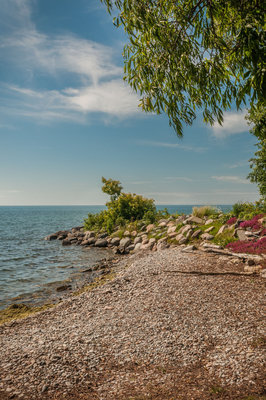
(115, 241)
(88, 242)
(137, 240)
(171, 229)
(196, 220)
(101, 243)
(125, 242)
(241, 234)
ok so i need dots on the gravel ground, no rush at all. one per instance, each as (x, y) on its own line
(171, 325)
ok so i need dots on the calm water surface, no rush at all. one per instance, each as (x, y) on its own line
(30, 267)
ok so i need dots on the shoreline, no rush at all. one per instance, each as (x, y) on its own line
(161, 310)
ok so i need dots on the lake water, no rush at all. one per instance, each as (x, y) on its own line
(30, 267)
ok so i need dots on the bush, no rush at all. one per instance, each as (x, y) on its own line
(231, 221)
(123, 209)
(252, 223)
(252, 247)
(248, 210)
(205, 211)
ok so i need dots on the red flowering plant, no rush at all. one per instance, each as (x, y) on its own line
(231, 221)
(252, 247)
(252, 223)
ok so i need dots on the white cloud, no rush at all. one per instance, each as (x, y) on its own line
(238, 164)
(172, 146)
(96, 83)
(178, 178)
(234, 122)
(232, 179)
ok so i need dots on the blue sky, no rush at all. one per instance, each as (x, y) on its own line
(67, 119)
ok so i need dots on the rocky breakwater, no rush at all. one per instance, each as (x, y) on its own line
(192, 233)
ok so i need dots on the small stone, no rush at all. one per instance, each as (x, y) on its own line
(189, 248)
(44, 388)
(250, 262)
(209, 221)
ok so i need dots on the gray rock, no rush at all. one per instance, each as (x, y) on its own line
(209, 229)
(162, 224)
(137, 247)
(171, 229)
(103, 235)
(150, 227)
(209, 221)
(101, 243)
(222, 229)
(207, 236)
(131, 247)
(137, 240)
(184, 229)
(115, 241)
(189, 248)
(53, 236)
(241, 234)
(189, 233)
(124, 242)
(183, 240)
(66, 242)
(197, 220)
(211, 246)
(88, 242)
(196, 234)
(178, 237)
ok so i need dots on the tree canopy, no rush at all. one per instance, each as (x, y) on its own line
(189, 55)
(111, 187)
(257, 118)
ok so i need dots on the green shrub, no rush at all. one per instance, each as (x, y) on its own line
(248, 210)
(121, 210)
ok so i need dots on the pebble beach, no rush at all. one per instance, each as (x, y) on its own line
(169, 324)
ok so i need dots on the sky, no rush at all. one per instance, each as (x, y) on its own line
(67, 118)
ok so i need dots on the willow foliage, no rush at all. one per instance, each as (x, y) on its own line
(189, 55)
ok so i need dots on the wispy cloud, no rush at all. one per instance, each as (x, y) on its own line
(171, 146)
(178, 178)
(232, 179)
(96, 84)
(238, 164)
(234, 122)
